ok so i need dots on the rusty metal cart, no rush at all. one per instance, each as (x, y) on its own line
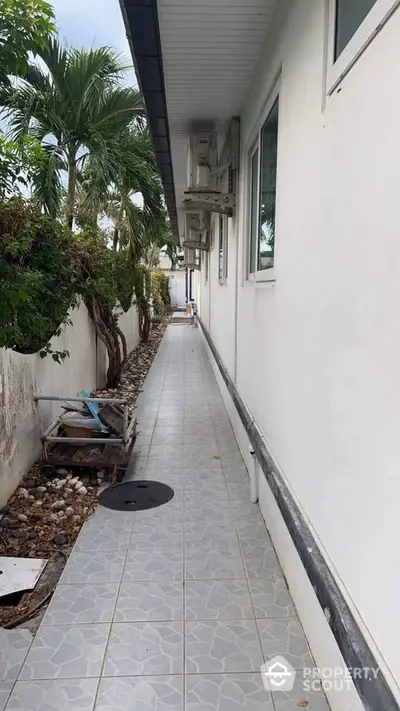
(107, 451)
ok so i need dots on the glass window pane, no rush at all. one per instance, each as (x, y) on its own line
(253, 211)
(269, 147)
(349, 16)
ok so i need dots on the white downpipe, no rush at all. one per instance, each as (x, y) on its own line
(254, 468)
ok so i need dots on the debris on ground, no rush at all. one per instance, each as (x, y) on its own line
(44, 507)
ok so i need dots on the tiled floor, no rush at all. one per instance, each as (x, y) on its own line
(174, 608)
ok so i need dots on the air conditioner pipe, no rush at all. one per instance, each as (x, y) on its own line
(253, 476)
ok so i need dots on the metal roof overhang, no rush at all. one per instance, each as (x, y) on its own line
(141, 22)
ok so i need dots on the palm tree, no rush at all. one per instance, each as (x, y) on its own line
(78, 109)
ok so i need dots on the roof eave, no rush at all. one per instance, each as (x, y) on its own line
(142, 27)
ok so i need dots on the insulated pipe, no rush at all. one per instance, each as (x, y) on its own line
(253, 476)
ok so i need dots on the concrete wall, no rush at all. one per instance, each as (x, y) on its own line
(318, 349)
(23, 376)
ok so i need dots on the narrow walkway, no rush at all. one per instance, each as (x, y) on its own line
(177, 607)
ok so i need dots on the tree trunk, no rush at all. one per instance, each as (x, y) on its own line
(115, 239)
(72, 175)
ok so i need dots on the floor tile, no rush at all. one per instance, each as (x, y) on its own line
(107, 539)
(203, 564)
(163, 536)
(261, 562)
(298, 698)
(53, 695)
(93, 567)
(77, 604)
(222, 646)
(14, 645)
(147, 693)
(211, 534)
(65, 652)
(152, 601)
(5, 691)
(153, 565)
(227, 692)
(284, 637)
(145, 648)
(217, 599)
(271, 598)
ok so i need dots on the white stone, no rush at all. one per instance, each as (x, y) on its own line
(60, 504)
(22, 517)
(41, 488)
(82, 490)
(78, 485)
(69, 476)
(69, 511)
(24, 493)
(73, 481)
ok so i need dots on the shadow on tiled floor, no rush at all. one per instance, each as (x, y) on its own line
(173, 608)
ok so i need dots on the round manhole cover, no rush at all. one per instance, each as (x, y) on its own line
(136, 496)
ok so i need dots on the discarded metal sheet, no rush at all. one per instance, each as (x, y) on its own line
(19, 574)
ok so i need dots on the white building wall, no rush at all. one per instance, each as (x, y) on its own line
(24, 376)
(318, 350)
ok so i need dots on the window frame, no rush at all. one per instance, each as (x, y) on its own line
(254, 143)
(377, 17)
(222, 225)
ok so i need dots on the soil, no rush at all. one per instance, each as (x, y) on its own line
(46, 512)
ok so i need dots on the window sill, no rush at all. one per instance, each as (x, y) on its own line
(264, 275)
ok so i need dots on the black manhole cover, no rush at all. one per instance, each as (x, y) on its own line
(136, 496)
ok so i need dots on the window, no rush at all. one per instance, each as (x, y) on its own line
(353, 24)
(262, 198)
(222, 226)
(349, 16)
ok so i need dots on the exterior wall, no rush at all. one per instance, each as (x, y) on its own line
(318, 353)
(23, 376)
(129, 324)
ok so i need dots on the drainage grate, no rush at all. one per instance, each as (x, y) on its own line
(136, 496)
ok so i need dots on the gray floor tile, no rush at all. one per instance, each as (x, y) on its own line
(78, 604)
(206, 564)
(66, 652)
(227, 692)
(217, 599)
(54, 695)
(14, 645)
(5, 691)
(163, 536)
(222, 646)
(142, 602)
(284, 637)
(271, 598)
(153, 565)
(211, 534)
(93, 567)
(298, 698)
(145, 648)
(107, 539)
(147, 693)
(261, 562)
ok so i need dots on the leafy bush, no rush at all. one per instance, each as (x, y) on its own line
(38, 281)
(160, 294)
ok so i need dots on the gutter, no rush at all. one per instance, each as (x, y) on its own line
(142, 29)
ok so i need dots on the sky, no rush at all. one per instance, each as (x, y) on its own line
(88, 23)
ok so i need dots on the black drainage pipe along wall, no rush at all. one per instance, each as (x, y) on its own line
(375, 694)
